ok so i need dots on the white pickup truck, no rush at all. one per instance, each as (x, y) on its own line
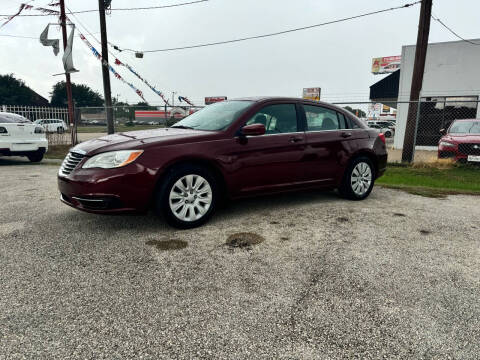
(20, 137)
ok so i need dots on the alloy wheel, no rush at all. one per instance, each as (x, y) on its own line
(190, 197)
(361, 178)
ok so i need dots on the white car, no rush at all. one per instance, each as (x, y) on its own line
(20, 137)
(52, 125)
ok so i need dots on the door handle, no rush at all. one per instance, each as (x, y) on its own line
(346, 134)
(295, 139)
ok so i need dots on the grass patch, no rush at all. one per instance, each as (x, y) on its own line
(118, 128)
(429, 180)
(57, 152)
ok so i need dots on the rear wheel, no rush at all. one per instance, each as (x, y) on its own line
(358, 179)
(187, 196)
(60, 130)
(36, 156)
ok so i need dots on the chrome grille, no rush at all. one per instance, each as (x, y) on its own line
(70, 162)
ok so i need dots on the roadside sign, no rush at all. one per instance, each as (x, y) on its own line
(386, 65)
(213, 99)
(312, 93)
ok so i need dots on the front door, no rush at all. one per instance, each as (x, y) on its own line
(274, 160)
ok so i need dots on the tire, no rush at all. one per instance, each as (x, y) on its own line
(360, 189)
(194, 209)
(36, 156)
(388, 134)
(60, 130)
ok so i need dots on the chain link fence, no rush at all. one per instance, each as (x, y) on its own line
(53, 119)
(92, 121)
(433, 118)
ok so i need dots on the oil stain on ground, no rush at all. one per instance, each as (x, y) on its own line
(244, 240)
(165, 245)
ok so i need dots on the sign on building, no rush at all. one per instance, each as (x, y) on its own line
(214, 99)
(374, 110)
(312, 93)
(386, 65)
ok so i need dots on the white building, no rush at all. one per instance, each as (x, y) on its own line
(451, 82)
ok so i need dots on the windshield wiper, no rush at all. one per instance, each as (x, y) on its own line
(181, 127)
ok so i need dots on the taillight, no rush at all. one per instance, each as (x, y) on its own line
(382, 137)
(39, 130)
(3, 130)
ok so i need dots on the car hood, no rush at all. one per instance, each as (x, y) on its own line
(142, 139)
(462, 138)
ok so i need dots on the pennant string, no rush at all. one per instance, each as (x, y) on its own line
(110, 67)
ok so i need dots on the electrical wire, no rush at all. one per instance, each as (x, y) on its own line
(123, 9)
(276, 33)
(453, 32)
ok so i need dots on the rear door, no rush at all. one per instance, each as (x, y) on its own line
(330, 142)
(274, 160)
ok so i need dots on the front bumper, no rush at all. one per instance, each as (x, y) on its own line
(108, 191)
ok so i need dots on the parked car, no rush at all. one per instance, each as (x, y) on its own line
(230, 149)
(20, 137)
(461, 141)
(388, 132)
(52, 125)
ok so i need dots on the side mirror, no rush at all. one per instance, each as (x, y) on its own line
(253, 130)
(442, 131)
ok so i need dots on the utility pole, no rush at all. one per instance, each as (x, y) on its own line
(417, 80)
(105, 70)
(68, 84)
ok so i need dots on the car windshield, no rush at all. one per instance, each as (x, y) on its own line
(7, 118)
(215, 117)
(465, 127)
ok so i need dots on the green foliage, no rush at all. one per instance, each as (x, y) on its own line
(457, 179)
(14, 92)
(82, 95)
(360, 113)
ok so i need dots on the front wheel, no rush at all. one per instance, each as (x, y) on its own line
(358, 179)
(187, 196)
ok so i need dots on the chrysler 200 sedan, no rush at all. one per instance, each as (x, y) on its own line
(231, 149)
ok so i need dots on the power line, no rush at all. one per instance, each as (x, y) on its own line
(453, 32)
(122, 9)
(277, 33)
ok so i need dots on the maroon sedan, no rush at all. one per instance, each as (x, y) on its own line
(461, 141)
(230, 149)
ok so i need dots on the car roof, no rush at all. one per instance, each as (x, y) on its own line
(293, 99)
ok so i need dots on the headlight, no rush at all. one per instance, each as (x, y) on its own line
(112, 159)
(446, 144)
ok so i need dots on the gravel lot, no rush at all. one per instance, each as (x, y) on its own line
(395, 276)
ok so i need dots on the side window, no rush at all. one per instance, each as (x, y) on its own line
(321, 119)
(278, 119)
(352, 124)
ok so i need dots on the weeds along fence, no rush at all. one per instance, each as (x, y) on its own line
(433, 116)
(34, 113)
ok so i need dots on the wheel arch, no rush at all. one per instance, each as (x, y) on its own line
(208, 164)
(366, 153)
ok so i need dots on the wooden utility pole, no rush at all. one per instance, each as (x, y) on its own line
(68, 84)
(417, 80)
(105, 71)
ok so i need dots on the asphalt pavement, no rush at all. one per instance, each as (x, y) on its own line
(396, 276)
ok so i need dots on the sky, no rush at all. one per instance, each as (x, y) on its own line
(335, 57)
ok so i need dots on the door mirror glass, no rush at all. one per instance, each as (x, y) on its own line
(253, 130)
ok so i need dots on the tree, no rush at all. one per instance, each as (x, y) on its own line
(82, 95)
(14, 92)
(358, 112)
